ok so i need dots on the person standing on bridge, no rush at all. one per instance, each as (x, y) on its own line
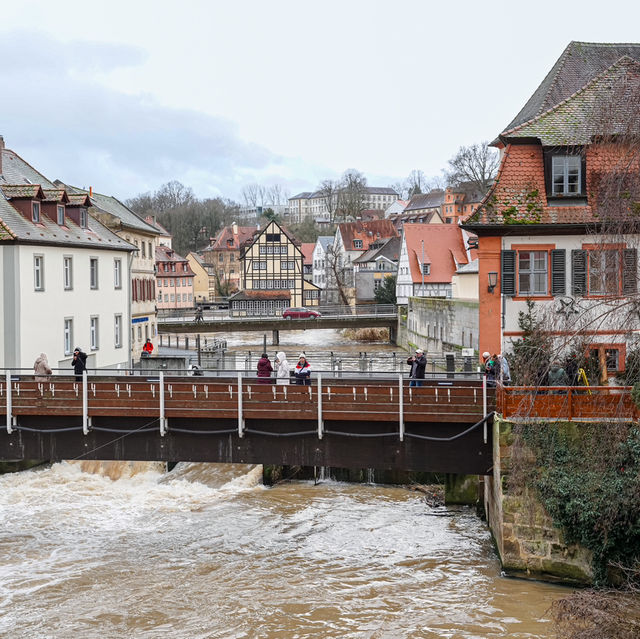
(303, 371)
(418, 363)
(41, 368)
(79, 362)
(283, 370)
(264, 369)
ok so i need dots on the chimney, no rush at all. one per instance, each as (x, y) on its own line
(1, 149)
(90, 191)
(234, 228)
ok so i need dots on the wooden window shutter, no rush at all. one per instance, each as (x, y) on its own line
(579, 272)
(558, 271)
(508, 279)
(629, 271)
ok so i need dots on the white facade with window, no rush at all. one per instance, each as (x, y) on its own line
(50, 306)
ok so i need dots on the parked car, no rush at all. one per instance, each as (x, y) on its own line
(300, 313)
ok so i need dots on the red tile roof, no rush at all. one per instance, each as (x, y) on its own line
(444, 250)
(307, 251)
(282, 294)
(368, 232)
(227, 240)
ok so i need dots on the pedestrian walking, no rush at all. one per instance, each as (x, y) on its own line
(264, 369)
(198, 315)
(491, 369)
(418, 363)
(147, 348)
(41, 368)
(283, 370)
(79, 362)
(302, 372)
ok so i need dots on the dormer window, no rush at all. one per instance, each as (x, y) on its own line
(83, 218)
(357, 244)
(60, 210)
(426, 269)
(35, 211)
(566, 175)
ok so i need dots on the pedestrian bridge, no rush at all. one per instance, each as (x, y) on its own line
(371, 316)
(375, 423)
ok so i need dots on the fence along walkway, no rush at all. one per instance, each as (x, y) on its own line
(242, 398)
(567, 403)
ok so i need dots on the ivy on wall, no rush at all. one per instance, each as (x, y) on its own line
(588, 479)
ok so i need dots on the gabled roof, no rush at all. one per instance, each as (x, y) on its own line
(305, 195)
(578, 64)
(325, 241)
(27, 191)
(367, 232)
(388, 248)
(430, 200)
(578, 118)
(112, 206)
(166, 254)
(16, 171)
(444, 251)
(380, 190)
(151, 221)
(226, 240)
(307, 252)
(56, 195)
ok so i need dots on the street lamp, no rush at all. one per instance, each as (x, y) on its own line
(493, 281)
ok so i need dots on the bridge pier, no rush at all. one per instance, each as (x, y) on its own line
(393, 334)
(275, 339)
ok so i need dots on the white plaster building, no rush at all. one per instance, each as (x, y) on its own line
(319, 271)
(64, 278)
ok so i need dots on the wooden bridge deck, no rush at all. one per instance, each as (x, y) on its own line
(334, 422)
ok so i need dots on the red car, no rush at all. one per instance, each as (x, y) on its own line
(299, 313)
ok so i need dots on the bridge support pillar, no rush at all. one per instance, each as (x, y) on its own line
(275, 337)
(461, 489)
(393, 335)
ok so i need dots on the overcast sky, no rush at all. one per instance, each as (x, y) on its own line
(126, 95)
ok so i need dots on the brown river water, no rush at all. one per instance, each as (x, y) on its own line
(206, 551)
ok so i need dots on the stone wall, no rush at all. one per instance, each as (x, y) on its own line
(527, 542)
(438, 324)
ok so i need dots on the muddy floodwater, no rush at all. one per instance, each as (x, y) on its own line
(207, 551)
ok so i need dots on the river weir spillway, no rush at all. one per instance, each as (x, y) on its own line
(207, 551)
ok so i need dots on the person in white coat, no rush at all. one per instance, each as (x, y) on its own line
(282, 369)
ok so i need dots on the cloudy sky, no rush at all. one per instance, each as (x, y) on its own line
(126, 95)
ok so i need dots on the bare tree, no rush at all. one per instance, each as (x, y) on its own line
(330, 193)
(250, 195)
(339, 275)
(477, 164)
(172, 195)
(401, 189)
(416, 182)
(352, 193)
(277, 195)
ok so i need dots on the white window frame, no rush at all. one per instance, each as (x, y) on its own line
(38, 272)
(560, 167)
(93, 273)
(67, 272)
(35, 212)
(117, 330)
(117, 273)
(60, 214)
(94, 332)
(83, 217)
(68, 335)
(532, 271)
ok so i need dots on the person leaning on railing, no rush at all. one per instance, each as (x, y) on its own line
(418, 364)
(302, 371)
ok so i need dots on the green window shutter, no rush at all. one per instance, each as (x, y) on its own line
(629, 271)
(579, 272)
(558, 271)
(508, 279)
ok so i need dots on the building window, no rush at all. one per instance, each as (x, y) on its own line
(426, 269)
(604, 272)
(93, 272)
(220, 258)
(35, 211)
(177, 281)
(83, 218)
(93, 333)
(67, 272)
(117, 331)
(566, 173)
(357, 244)
(273, 237)
(289, 265)
(144, 250)
(38, 272)
(117, 273)
(68, 336)
(60, 215)
(533, 272)
(260, 266)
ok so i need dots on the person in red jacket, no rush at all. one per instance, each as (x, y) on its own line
(264, 369)
(147, 349)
